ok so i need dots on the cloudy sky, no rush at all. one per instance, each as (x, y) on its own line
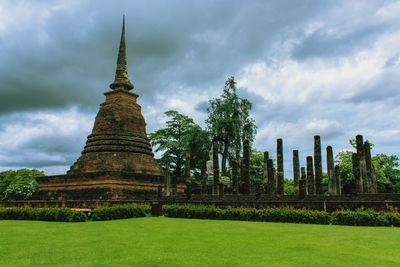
(310, 67)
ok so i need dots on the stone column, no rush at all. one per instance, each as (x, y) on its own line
(296, 170)
(332, 190)
(188, 190)
(235, 176)
(216, 168)
(310, 176)
(246, 167)
(338, 180)
(363, 165)
(266, 158)
(280, 173)
(203, 175)
(369, 171)
(167, 180)
(302, 184)
(221, 189)
(318, 165)
(159, 191)
(357, 186)
(271, 177)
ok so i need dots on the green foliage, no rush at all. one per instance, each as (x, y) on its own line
(289, 187)
(393, 218)
(48, 214)
(246, 214)
(344, 160)
(257, 165)
(18, 184)
(385, 168)
(68, 215)
(229, 120)
(387, 173)
(179, 136)
(361, 218)
(120, 212)
(257, 171)
(343, 217)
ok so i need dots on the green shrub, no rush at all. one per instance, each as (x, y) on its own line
(393, 218)
(120, 212)
(297, 216)
(48, 214)
(360, 218)
(344, 217)
(246, 214)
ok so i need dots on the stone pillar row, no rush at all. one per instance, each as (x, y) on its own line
(307, 180)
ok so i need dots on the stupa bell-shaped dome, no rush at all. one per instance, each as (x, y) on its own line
(118, 143)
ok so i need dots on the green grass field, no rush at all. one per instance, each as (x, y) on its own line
(188, 242)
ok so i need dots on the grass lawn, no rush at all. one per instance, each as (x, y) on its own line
(189, 242)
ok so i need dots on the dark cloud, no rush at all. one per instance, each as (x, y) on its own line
(321, 44)
(66, 58)
(385, 88)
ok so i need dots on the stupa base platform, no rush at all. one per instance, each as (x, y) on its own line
(101, 186)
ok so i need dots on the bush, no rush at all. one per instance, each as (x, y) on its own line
(360, 218)
(344, 217)
(297, 216)
(120, 212)
(48, 214)
(393, 218)
(247, 214)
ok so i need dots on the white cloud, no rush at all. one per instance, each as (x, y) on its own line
(45, 138)
(302, 82)
(24, 15)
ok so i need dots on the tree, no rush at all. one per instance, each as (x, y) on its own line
(344, 160)
(199, 145)
(387, 173)
(257, 170)
(18, 184)
(181, 135)
(384, 166)
(289, 187)
(230, 122)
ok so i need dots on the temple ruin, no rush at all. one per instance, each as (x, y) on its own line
(117, 161)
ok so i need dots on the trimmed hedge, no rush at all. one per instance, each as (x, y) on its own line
(48, 214)
(120, 212)
(343, 217)
(365, 218)
(247, 214)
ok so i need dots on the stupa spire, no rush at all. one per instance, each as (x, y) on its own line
(121, 80)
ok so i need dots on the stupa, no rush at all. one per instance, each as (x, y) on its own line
(117, 161)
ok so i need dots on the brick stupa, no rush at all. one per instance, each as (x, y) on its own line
(117, 161)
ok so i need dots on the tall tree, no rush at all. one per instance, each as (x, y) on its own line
(230, 122)
(181, 135)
